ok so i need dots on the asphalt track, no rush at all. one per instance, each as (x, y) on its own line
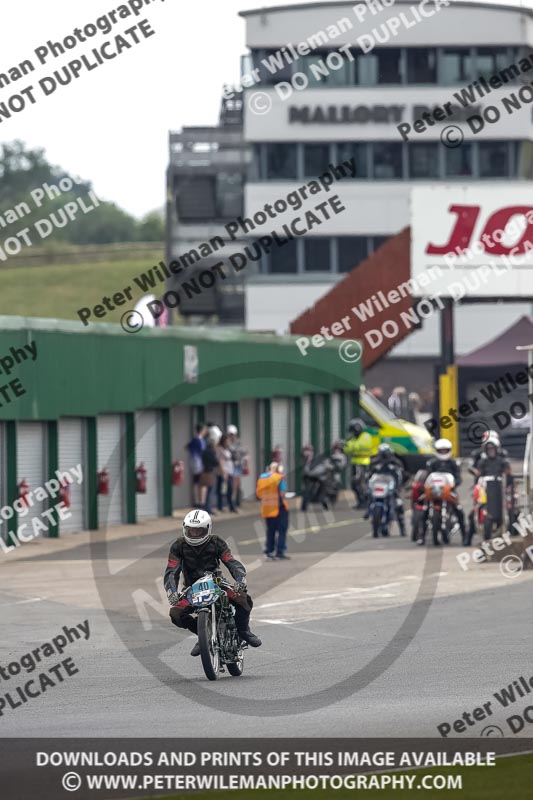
(362, 637)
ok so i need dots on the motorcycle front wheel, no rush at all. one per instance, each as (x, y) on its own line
(208, 649)
(376, 520)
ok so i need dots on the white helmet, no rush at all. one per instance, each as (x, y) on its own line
(444, 449)
(214, 434)
(492, 435)
(232, 430)
(197, 527)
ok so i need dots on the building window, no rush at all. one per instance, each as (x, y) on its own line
(329, 68)
(459, 161)
(490, 60)
(317, 254)
(377, 241)
(351, 251)
(272, 66)
(493, 160)
(421, 65)
(423, 160)
(357, 151)
(387, 160)
(281, 161)
(381, 67)
(456, 65)
(316, 159)
(284, 260)
(229, 195)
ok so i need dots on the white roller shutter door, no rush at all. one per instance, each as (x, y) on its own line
(320, 422)
(71, 454)
(306, 420)
(110, 456)
(281, 429)
(247, 436)
(31, 454)
(335, 416)
(148, 451)
(180, 434)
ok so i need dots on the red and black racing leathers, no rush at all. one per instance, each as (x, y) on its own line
(193, 561)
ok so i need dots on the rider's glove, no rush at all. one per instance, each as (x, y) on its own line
(241, 585)
(173, 598)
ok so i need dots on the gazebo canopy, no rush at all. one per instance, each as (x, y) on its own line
(501, 350)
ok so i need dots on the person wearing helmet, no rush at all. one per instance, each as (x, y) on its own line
(193, 554)
(386, 463)
(444, 462)
(477, 454)
(494, 463)
(359, 449)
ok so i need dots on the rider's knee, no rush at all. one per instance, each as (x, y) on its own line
(177, 617)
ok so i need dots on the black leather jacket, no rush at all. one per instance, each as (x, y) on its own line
(194, 561)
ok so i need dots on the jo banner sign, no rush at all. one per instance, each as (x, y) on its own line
(472, 241)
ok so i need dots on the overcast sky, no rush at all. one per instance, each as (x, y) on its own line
(110, 126)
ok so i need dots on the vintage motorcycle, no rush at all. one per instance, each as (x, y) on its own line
(381, 489)
(441, 519)
(220, 644)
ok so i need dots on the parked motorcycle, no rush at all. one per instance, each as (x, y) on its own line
(382, 503)
(220, 644)
(322, 480)
(441, 520)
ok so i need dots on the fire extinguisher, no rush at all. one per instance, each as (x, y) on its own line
(140, 479)
(103, 481)
(24, 491)
(64, 493)
(178, 468)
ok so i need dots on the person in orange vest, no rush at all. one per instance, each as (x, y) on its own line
(270, 489)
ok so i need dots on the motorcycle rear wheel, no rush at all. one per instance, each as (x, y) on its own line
(210, 657)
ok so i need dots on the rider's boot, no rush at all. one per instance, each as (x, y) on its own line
(242, 620)
(196, 650)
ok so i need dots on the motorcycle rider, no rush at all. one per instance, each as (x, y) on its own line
(477, 454)
(359, 448)
(386, 463)
(192, 555)
(444, 462)
(494, 462)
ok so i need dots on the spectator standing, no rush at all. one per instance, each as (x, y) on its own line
(239, 455)
(225, 475)
(195, 449)
(271, 489)
(209, 473)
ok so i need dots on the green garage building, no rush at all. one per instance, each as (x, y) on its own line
(109, 400)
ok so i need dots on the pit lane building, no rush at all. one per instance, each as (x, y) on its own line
(80, 402)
